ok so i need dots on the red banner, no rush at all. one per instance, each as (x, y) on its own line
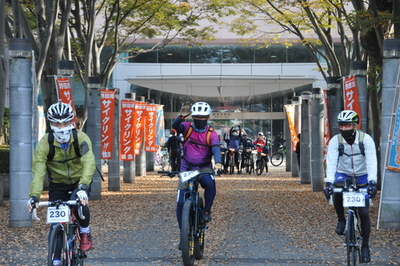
(107, 122)
(140, 111)
(150, 128)
(350, 93)
(126, 130)
(64, 92)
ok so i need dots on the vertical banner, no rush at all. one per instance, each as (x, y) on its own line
(64, 92)
(327, 129)
(290, 118)
(107, 122)
(350, 93)
(160, 139)
(140, 111)
(150, 128)
(393, 154)
(126, 130)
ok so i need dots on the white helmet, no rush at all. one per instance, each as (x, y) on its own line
(201, 109)
(60, 113)
(347, 117)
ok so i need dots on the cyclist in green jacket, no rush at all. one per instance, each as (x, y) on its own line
(69, 169)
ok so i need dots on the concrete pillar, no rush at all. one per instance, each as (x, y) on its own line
(317, 140)
(20, 75)
(129, 166)
(114, 166)
(93, 130)
(305, 165)
(335, 102)
(389, 207)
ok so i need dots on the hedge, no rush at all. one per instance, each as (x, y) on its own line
(4, 159)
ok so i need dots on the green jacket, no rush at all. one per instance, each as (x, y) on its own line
(79, 169)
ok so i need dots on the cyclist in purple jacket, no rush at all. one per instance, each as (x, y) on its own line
(198, 150)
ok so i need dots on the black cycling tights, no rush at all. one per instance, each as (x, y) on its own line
(363, 213)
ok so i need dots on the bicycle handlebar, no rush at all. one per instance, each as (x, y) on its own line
(172, 174)
(54, 203)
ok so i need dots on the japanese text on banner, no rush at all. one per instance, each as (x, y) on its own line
(126, 130)
(64, 93)
(150, 128)
(107, 122)
(160, 135)
(140, 110)
(351, 101)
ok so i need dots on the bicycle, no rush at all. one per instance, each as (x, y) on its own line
(353, 198)
(260, 164)
(248, 160)
(64, 236)
(164, 159)
(231, 160)
(277, 157)
(193, 226)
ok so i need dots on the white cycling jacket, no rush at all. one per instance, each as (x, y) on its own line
(352, 165)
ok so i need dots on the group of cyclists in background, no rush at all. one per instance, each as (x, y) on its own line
(235, 143)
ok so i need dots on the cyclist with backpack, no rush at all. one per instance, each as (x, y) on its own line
(352, 152)
(65, 155)
(201, 143)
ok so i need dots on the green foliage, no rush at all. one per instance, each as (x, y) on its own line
(5, 130)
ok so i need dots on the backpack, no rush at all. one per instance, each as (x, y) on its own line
(50, 156)
(360, 144)
(208, 137)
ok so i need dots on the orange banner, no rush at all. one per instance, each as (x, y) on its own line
(126, 130)
(140, 111)
(64, 93)
(290, 118)
(107, 122)
(350, 93)
(150, 128)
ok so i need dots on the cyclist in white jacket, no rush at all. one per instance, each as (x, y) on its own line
(352, 153)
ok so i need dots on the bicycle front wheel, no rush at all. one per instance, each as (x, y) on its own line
(231, 164)
(56, 249)
(188, 233)
(260, 164)
(199, 244)
(276, 159)
(352, 247)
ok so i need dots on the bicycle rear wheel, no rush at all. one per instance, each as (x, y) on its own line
(199, 244)
(351, 241)
(56, 248)
(276, 159)
(188, 234)
(260, 164)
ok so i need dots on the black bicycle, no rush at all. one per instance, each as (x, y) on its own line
(278, 157)
(248, 160)
(193, 226)
(353, 198)
(64, 236)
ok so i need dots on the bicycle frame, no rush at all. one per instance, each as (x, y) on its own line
(70, 233)
(353, 235)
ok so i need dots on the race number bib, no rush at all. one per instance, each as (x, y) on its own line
(353, 199)
(58, 215)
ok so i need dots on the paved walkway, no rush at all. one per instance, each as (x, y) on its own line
(257, 220)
